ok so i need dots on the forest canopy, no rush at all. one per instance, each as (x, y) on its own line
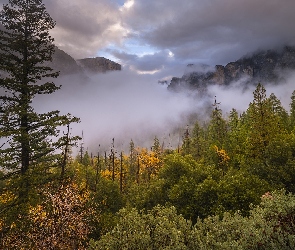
(229, 185)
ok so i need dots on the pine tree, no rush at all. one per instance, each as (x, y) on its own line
(279, 111)
(217, 127)
(156, 148)
(198, 142)
(292, 111)
(236, 138)
(25, 50)
(186, 142)
(263, 130)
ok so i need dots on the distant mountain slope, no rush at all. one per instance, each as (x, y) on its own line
(64, 63)
(68, 65)
(262, 66)
(98, 64)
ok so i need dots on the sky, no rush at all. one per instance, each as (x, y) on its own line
(162, 36)
(153, 40)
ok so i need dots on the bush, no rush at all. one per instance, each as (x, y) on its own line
(160, 228)
(271, 225)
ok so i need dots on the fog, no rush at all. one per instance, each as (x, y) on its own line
(124, 105)
(239, 94)
(120, 105)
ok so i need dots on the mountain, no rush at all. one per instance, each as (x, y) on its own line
(68, 65)
(64, 63)
(98, 64)
(262, 66)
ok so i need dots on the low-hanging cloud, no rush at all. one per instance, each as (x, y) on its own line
(124, 105)
(120, 105)
(239, 94)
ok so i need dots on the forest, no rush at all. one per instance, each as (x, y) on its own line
(229, 185)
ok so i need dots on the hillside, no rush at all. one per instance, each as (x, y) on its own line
(262, 66)
(68, 65)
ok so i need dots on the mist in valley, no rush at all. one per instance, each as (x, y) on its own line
(120, 105)
(124, 105)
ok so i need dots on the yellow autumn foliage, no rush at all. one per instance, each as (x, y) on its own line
(106, 174)
(7, 197)
(223, 157)
(149, 161)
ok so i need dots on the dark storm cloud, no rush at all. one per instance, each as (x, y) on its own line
(84, 26)
(215, 29)
(211, 31)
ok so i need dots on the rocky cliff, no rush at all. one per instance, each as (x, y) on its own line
(262, 66)
(98, 64)
(66, 64)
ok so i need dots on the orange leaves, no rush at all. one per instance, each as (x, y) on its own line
(223, 158)
(7, 197)
(149, 162)
(106, 174)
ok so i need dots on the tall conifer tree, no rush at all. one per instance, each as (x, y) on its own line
(25, 50)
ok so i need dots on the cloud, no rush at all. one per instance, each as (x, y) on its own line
(146, 63)
(238, 95)
(124, 105)
(84, 27)
(121, 105)
(215, 31)
(195, 31)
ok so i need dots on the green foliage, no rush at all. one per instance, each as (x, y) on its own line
(217, 130)
(194, 199)
(108, 196)
(109, 201)
(175, 166)
(263, 127)
(292, 112)
(160, 228)
(145, 197)
(198, 142)
(189, 186)
(156, 148)
(30, 138)
(219, 176)
(269, 226)
(237, 190)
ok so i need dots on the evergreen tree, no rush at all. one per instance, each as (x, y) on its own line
(217, 127)
(198, 142)
(186, 142)
(132, 170)
(292, 111)
(156, 148)
(279, 111)
(236, 138)
(263, 130)
(25, 49)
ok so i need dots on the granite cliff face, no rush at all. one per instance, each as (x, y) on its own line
(66, 64)
(263, 66)
(98, 64)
